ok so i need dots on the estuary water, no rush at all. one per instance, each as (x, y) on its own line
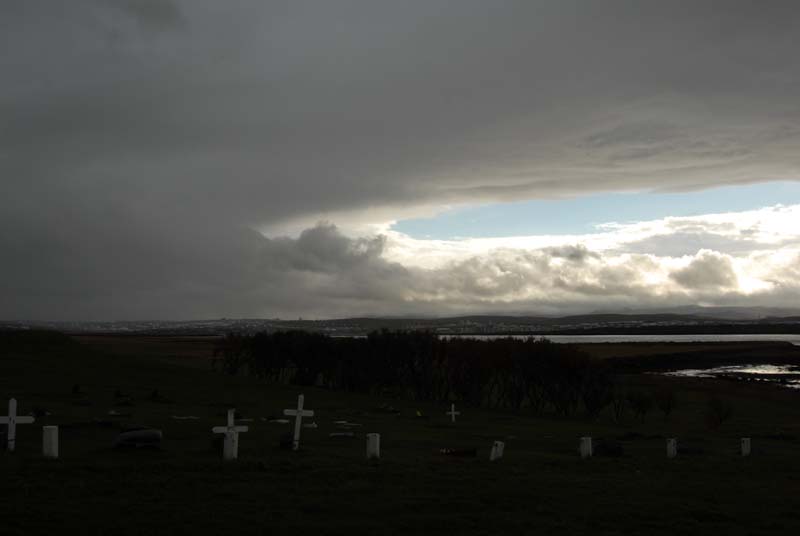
(584, 339)
(784, 375)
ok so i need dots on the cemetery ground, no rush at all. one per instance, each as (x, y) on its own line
(328, 487)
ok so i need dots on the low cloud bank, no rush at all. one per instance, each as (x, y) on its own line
(324, 273)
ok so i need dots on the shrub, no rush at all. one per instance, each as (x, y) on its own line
(596, 393)
(619, 403)
(718, 412)
(640, 403)
(665, 401)
(503, 373)
(231, 353)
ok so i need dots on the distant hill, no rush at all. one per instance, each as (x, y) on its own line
(721, 313)
(595, 323)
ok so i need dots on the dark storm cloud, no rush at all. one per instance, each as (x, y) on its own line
(156, 14)
(142, 141)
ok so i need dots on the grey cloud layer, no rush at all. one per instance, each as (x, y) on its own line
(141, 141)
(323, 273)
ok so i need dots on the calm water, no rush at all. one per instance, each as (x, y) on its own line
(794, 339)
(786, 375)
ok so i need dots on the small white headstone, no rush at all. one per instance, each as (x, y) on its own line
(230, 446)
(497, 451)
(298, 415)
(11, 421)
(50, 441)
(373, 446)
(453, 413)
(672, 447)
(585, 447)
(745, 446)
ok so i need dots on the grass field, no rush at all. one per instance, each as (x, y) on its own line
(541, 486)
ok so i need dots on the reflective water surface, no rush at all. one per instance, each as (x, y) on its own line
(786, 375)
(794, 339)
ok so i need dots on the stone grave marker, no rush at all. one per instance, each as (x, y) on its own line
(672, 447)
(346, 424)
(139, 438)
(585, 447)
(498, 448)
(745, 446)
(373, 446)
(50, 441)
(459, 453)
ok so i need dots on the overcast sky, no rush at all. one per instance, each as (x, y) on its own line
(198, 159)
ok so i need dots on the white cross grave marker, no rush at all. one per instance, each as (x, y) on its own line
(230, 448)
(12, 421)
(453, 413)
(298, 415)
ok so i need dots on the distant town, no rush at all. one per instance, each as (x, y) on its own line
(465, 325)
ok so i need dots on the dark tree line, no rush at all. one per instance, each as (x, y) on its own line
(501, 373)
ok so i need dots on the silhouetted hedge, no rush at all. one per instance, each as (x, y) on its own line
(35, 341)
(501, 373)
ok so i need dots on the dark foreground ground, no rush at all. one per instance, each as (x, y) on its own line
(541, 486)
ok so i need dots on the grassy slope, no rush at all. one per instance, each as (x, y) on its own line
(328, 488)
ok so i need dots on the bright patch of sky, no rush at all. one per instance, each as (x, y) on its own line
(583, 214)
